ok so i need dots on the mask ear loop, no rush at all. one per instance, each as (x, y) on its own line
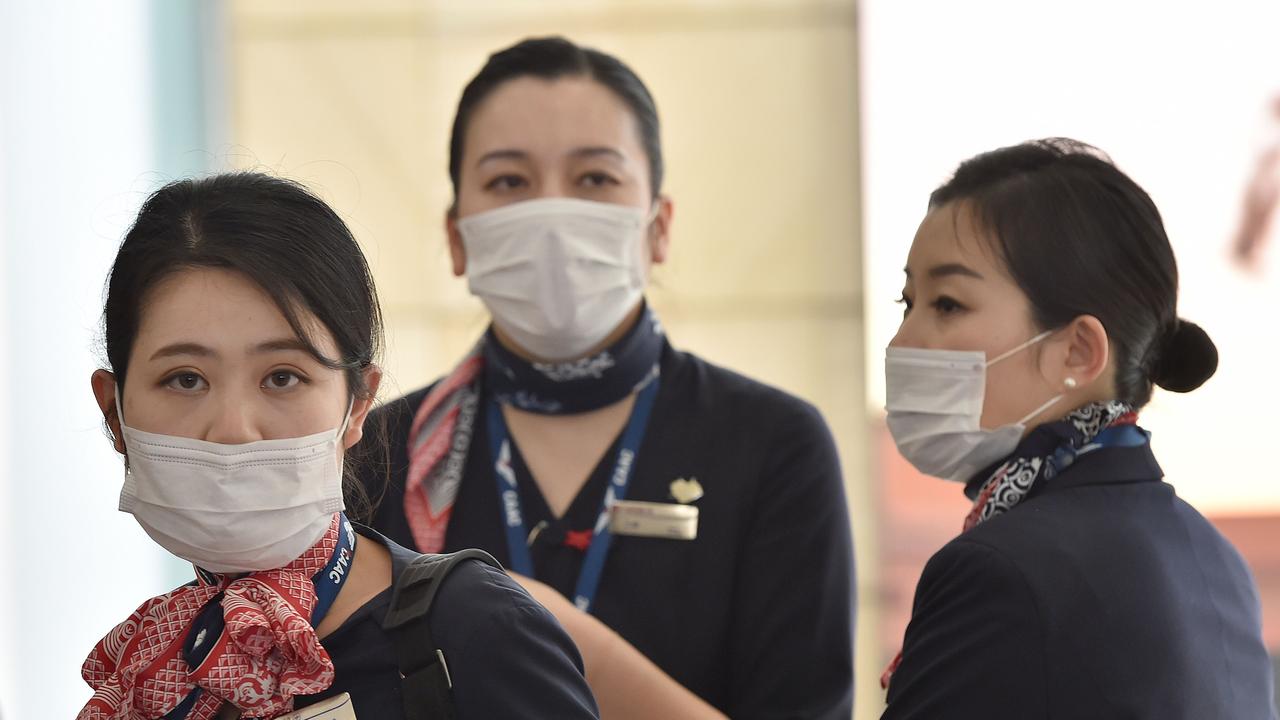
(119, 405)
(120, 417)
(646, 265)
(1053, 400)
(342, 430)
(346, 419)
(1042, 408)
(654, 209)
(1020, 348)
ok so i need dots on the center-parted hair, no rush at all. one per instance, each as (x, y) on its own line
(1079, 237)
(553, 58)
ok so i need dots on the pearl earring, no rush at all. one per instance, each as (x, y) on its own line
(1070, 383)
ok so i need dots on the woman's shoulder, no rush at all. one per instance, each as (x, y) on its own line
(704, 382)
(488, 627)
(1121, 535)
(472, 590)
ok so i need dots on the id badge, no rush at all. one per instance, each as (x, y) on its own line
(656, 520)
(338, 707)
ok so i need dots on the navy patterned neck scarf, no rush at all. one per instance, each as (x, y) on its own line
(576, 386)
(1046, 451)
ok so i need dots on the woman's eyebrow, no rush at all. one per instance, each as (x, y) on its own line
(947, 269)
(184, 348)
(502, 154)
(278, 345)
(595, 151)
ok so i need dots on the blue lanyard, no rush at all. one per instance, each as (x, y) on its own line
(210, 623)
(513, 515)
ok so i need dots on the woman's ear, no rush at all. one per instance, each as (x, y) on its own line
(104, 391)
(457, 251)
(1087, 353)
(361, 406)
(660, 230)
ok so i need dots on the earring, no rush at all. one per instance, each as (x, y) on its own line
(1070, 383)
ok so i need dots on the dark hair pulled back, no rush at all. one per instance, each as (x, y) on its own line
(1079, 237)
(552, 58)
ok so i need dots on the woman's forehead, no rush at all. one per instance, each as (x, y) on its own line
(550, 118)
(952, 234)
(218, 309)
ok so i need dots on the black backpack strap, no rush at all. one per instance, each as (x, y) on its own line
(425, 681)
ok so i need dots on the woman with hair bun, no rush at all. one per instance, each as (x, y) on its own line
(1040, 311)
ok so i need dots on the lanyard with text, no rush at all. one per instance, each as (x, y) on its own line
(513, 516)
(209, 624)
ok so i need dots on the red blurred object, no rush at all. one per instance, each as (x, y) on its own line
(1257, 537)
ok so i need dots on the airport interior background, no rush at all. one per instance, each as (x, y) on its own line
(802, 138)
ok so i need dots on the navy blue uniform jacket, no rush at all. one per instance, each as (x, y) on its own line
(756, 614)
(1101, 596)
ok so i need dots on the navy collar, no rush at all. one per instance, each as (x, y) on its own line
(576, 386)
(1108, 465)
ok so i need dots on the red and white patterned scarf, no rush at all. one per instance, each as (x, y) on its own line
(438, 444)
(268, 653)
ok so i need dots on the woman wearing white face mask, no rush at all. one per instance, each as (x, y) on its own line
(685, 524)
(242, 328)
(1040, 309)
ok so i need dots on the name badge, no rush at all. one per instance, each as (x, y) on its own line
(338, 707)
(651, 519)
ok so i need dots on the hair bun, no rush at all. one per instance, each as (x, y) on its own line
(1187, 358)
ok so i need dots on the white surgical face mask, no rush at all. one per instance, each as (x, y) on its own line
(934, 402)
(233, 508)
(557, 274)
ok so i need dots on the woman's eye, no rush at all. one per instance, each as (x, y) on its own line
(186, 382)
(505, 182)
(946, 306)
(597, 179)
(281, 380)
(905, 302)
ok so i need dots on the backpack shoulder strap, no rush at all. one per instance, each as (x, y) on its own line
(425, 682)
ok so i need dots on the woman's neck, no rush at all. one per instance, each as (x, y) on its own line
(617, 334)
(370, 575)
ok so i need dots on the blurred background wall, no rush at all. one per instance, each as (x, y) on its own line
(783, 120)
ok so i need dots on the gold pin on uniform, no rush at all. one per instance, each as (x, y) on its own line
(686, 491)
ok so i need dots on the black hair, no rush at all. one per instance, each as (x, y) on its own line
(275, 232)
(552, 58)
(1079, 237)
